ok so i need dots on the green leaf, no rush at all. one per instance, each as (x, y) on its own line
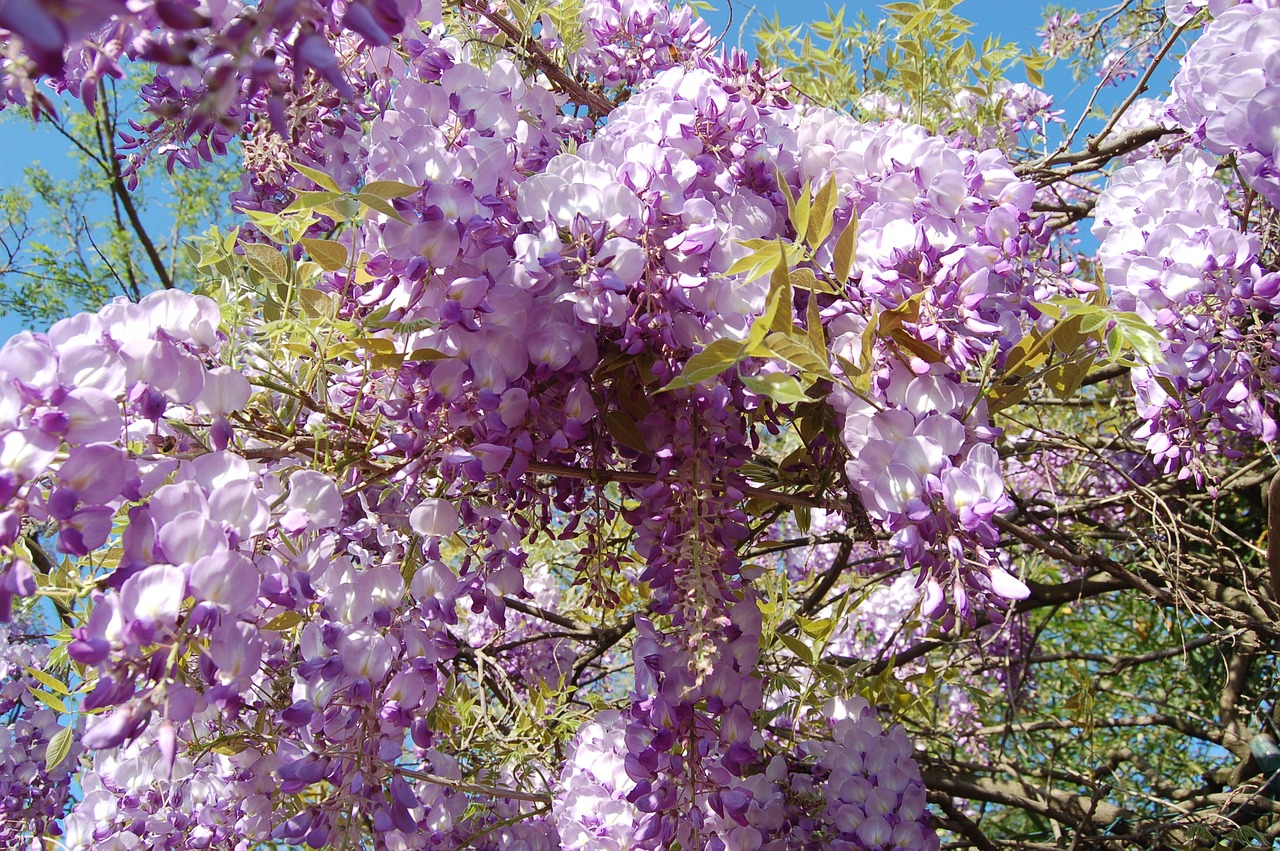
(57, 749)
(625, 430)
(708, 363)
(267, 261)
(388, 189)
(778, 386)
(796, 351)
(50, 682)
(309, 200)
(798, 647)
(380, 205)
(821, 219)
(427, 355)
(780, 286)
(331, 255)
(800, 210)
(283, 621)
(318, 177)
(846, 250)
(50, 700)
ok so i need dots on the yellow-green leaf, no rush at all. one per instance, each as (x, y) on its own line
(267, 261)
(310, 200)
(821, 218)
(708, 363)
(380, 205)
(57, 749)
(916, 346)
(780, 285)
(318, 176)
(318, 304)
(283, 621)
(846, 250)
(800, 210)
(427, 354)
(813, 323)
(778, 386)
(331, 255)
(388, 189)
(48, 699)
(796, 351)
(805, 279)
(50, 682)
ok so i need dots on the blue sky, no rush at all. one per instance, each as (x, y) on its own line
(1011, 20)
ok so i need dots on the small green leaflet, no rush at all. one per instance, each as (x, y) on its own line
(58, 748)
(48, 699)
(50, 682)
(821, 218)
(318, 176)
(778, 386)
(331, 255)
(846, 250)
(708, 363)
(267, 261)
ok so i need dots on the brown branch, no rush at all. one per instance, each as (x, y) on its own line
(1074, 810)
(597, 104)
(1273, 535)
(629, 477)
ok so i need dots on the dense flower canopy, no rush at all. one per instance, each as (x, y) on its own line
(486, 383)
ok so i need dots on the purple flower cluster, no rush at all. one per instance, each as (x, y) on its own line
(628, 42)
(279, 629)
(856, 788)
(947, 234)
(1227, 91)
(1171, 252)
(33, 796)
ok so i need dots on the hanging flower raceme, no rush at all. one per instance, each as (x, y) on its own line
(1172, 253)
(1227, 91)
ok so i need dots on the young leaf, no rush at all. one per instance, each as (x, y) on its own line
(388, 189)
(50, 682)
(380, 205)
(796, 351)
(813, 324)
(267, 261)
(310, 200)
(331, 255)
(846, 250)
(318, 177)
(780, 284)
(58, 748)
(799, 211)
(778, 386)
(820, 219)
(708, 363)
(48, 699)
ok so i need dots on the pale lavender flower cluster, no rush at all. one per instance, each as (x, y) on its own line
(1171, 252)
(33, 796)
(94, 381)
(948, 231)
(629, 41)
(855, 788)
(1227, 91)
(77, 43)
